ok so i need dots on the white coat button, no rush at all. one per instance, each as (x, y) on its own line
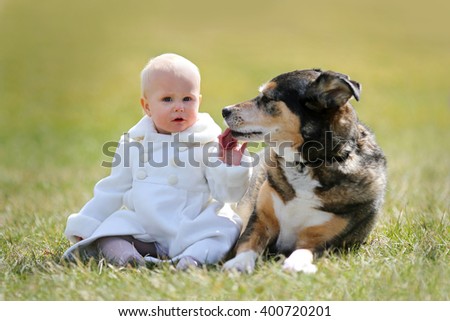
(172, 179)
(141, 174)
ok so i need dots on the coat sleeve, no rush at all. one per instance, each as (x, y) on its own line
(107, 199)
(227, 183)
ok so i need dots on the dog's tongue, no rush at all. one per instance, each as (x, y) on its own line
(227, 140)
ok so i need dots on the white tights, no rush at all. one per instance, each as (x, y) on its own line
(124, 250)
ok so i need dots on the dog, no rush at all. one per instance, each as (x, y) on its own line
(322, 180)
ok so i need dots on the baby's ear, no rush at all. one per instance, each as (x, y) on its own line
(145, 106)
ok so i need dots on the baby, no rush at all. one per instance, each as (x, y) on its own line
(172, 179)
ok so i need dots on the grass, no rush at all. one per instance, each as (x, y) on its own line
(69, 82)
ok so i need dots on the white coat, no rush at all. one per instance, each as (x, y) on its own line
(173, 196)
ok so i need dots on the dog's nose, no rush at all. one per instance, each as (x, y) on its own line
(226, 112)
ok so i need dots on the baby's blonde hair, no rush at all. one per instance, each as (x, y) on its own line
(165, 62)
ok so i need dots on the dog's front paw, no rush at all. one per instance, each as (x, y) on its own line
(243, 262)
(300, 261)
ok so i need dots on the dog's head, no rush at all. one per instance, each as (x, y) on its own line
(296, 107)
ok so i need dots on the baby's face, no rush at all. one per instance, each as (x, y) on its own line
(172, 100)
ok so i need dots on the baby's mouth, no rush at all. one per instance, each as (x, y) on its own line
(178, 119)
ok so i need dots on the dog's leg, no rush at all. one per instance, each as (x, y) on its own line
(310, 238)
(300, 261)
(253, 242)
(262, 229)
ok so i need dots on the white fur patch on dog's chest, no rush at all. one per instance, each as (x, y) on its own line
(300, 212)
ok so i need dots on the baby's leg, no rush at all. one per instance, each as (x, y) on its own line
(187, 262)
(119, 251)
(206, 251)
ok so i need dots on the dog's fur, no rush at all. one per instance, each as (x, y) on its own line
(322, 181)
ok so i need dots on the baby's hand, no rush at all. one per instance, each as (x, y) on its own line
(229, 151)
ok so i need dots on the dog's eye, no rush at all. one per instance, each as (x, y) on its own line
(268, 105)
(265, 100)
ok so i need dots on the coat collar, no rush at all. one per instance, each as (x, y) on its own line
(203, 131)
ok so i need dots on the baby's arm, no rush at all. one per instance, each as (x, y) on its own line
(108, 198)
(228, 182)
(229, 151)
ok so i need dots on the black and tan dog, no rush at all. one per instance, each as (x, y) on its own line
(322, 181)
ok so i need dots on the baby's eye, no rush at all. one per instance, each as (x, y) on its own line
(167, 99)
(187, 98)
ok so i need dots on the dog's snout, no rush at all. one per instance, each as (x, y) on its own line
(226, 112)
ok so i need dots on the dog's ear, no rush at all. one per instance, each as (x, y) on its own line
(331, 90)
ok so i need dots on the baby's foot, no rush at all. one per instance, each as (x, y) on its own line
(187, 262)
(119, 251)
(133, 260)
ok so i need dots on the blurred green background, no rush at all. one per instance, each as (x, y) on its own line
(69, 82)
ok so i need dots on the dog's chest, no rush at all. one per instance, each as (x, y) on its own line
(300, 212)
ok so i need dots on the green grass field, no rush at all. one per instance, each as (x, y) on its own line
(69, 82)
